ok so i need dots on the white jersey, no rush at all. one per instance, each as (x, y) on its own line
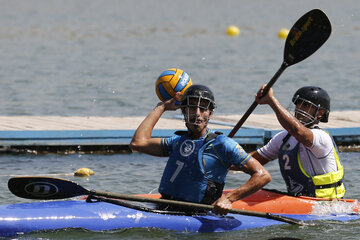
(316, 160)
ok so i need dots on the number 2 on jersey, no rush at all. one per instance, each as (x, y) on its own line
(287, 161)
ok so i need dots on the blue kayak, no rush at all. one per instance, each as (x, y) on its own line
(101, 216)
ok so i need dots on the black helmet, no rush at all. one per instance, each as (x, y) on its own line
(315, 96)
(201, 92)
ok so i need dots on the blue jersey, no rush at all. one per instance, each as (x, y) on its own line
(193, 164)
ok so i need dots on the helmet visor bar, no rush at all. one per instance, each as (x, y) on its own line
(197, 102)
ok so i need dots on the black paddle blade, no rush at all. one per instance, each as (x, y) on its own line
(307, 35)
(44, 188)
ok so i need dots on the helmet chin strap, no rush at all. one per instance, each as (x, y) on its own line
(311, 123)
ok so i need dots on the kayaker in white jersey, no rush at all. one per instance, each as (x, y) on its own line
(308, 156)
(199, 158)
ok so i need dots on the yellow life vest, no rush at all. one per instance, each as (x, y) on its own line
(328, 185)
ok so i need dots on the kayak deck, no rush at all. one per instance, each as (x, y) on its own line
(272, 201)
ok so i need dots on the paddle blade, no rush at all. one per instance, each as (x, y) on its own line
(307, 35)
(44, 188)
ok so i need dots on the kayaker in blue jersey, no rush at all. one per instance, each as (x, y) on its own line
(199, 158)
(308, 156)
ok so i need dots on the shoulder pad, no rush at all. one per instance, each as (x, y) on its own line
(212, 136)
(180, 132)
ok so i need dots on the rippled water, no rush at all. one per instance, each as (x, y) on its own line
(91, 57)
(101, 58)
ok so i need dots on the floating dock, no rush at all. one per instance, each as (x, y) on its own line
(39, 134)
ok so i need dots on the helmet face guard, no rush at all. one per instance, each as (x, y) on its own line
(190, 108)
(307, 98)
(303, 109)
(197, 97)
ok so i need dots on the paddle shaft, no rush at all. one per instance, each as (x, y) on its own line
(49, 188)
(196, 206)
(282, 68)
(306, 36)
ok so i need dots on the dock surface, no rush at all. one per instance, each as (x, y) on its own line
(49, 123)
(56, 133)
